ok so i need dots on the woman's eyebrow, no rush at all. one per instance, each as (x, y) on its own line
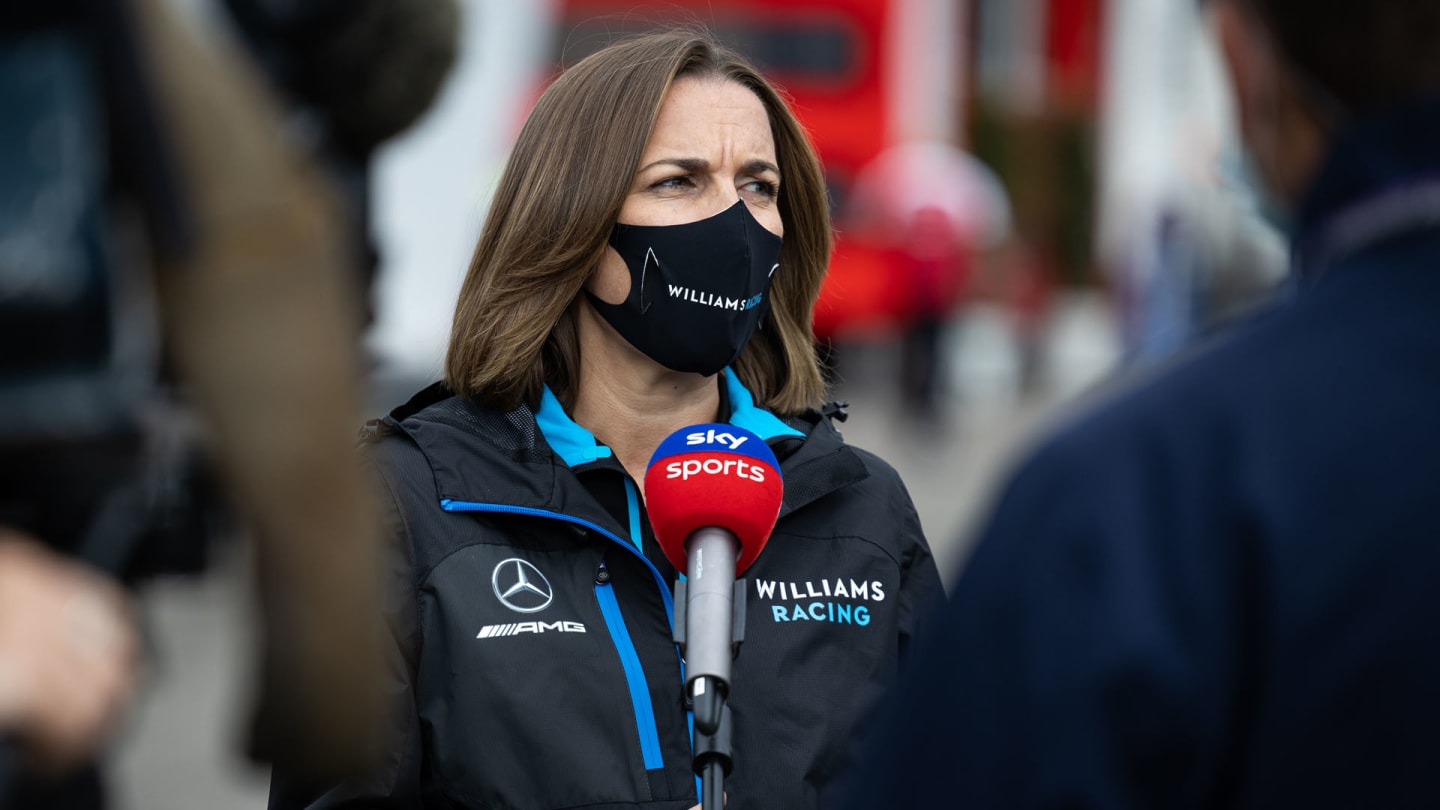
(693, 164)
(760, 167)
(689, 164)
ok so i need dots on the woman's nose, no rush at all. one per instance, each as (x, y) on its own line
(724, 194)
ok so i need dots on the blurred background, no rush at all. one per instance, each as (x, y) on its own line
(1033, 198)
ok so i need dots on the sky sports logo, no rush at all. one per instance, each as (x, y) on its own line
(741, 468)
(521, 628)
(713, 436)
(737, 467)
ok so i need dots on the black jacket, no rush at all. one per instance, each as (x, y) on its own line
(569, 693)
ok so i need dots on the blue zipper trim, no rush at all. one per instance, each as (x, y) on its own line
(632, 501)
(699, 784)
(634, 677)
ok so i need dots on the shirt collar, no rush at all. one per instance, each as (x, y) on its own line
(577, 446)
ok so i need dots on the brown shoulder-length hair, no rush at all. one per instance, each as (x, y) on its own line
(559, 198)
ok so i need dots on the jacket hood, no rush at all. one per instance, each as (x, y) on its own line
(527, 459)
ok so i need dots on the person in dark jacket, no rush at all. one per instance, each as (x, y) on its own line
(651, 261)
(1218, 589)
(172, 257)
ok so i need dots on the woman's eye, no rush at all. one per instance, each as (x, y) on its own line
(674, 182)
(764, 188)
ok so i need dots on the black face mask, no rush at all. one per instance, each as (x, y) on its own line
(697, 291)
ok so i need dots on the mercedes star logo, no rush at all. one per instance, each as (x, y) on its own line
(520, 586)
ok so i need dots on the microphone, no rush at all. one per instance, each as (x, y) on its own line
(713, 492)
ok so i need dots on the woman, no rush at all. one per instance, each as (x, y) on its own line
(534, 652)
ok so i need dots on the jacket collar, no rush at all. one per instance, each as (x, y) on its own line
(577, 446)
(527, 459)
(1377, 168)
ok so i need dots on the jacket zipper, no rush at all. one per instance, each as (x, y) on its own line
(634, 673)
(643, 709)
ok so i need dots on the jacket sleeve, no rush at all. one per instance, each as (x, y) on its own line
(1085, 657)
(395, 783)
(921, 592)
(918, 596)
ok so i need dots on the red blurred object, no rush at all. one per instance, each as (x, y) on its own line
(924, 209)
(936, 257)
(828, 55)
(858, 295)
(939, 190)
(1073, 47)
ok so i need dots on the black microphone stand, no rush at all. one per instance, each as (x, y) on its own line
(706, 698)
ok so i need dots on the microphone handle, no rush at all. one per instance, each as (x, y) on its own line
(709, 604)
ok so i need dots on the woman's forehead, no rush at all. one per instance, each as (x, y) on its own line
(709, 111)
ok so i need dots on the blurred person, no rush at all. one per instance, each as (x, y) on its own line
(1216, 589)
(354, 74)
(652, 176)
(1208, 258)
(68, 660)
(932, 211)
(122, 128)
(1165, 313)
(935, 260)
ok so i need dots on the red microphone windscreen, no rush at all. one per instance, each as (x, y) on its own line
(713, 475)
